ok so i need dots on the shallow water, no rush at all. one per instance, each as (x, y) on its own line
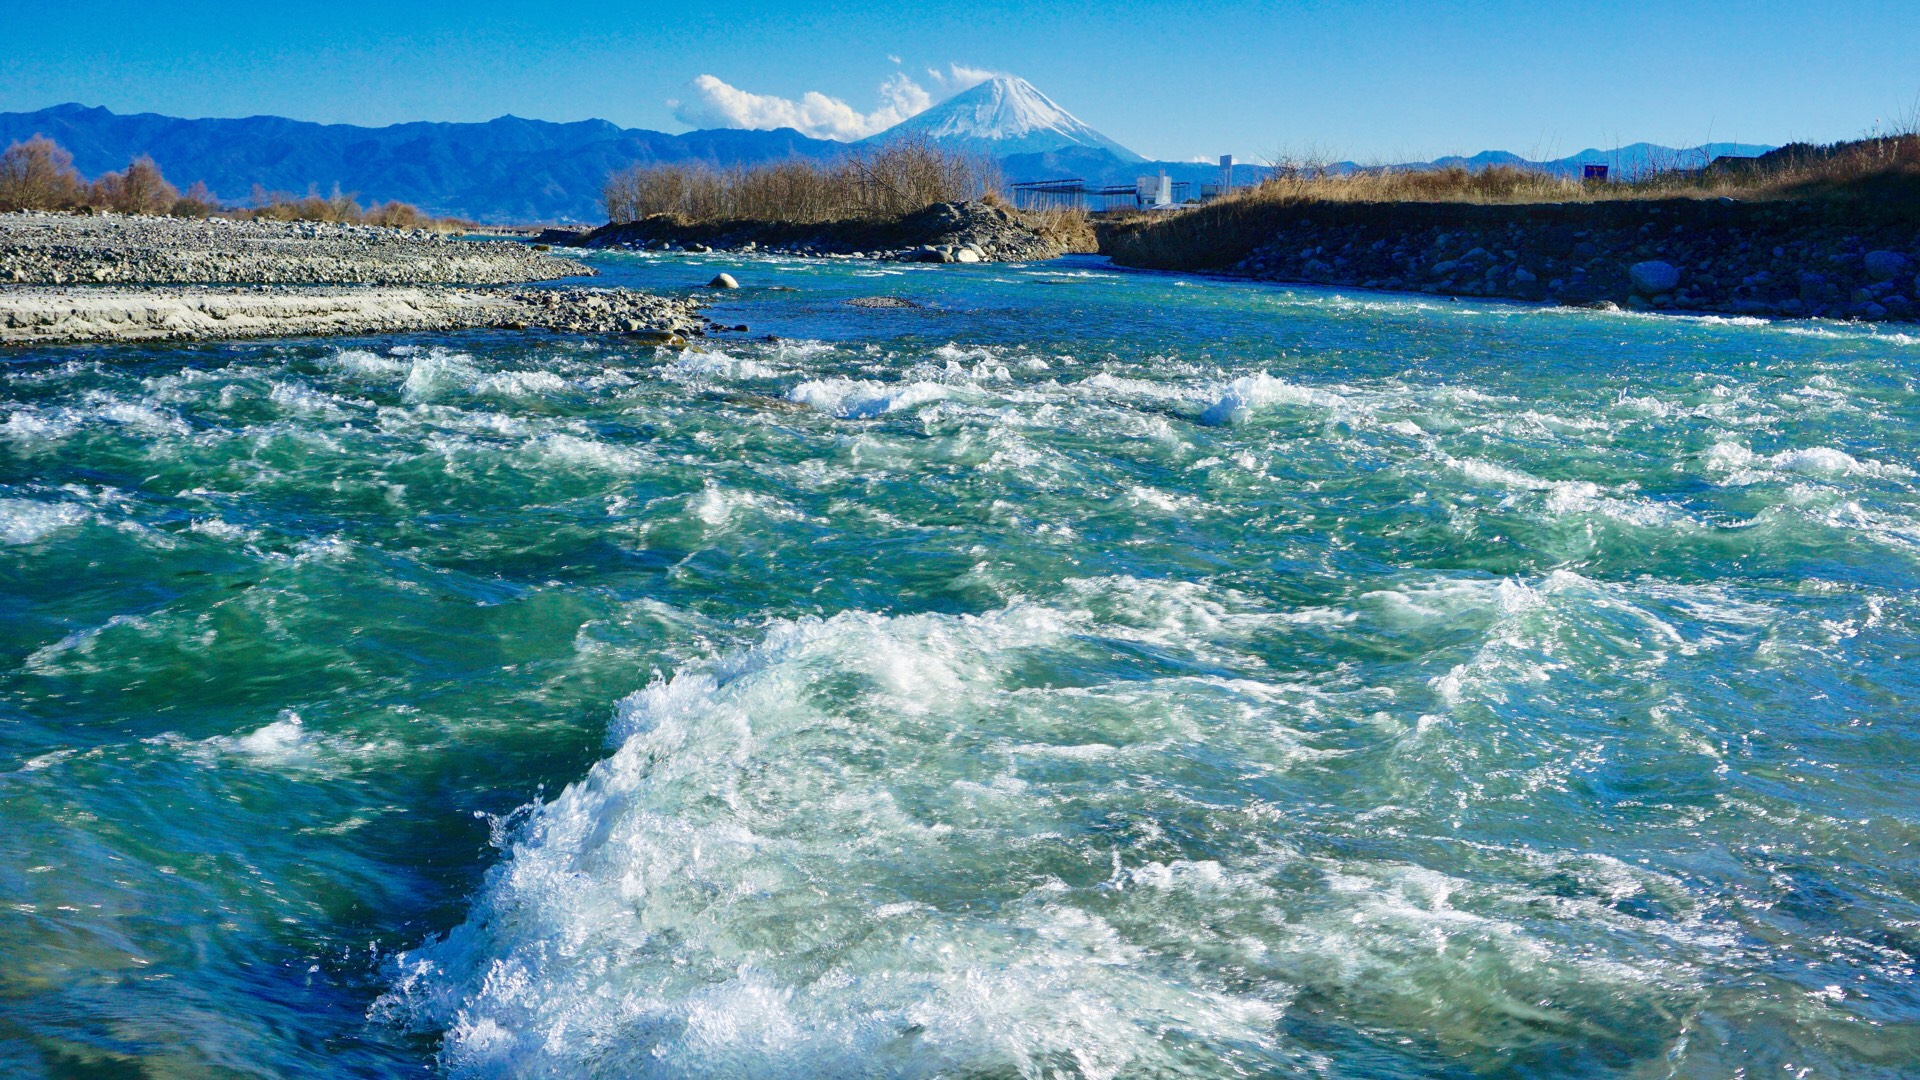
(1085, 674)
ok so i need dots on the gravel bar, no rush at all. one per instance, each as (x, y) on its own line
(118, 249)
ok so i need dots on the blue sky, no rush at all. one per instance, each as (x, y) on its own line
(1369, 81)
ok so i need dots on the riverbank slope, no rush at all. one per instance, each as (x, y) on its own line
(1794, 259)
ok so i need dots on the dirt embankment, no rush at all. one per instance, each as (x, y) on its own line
(1793, 259)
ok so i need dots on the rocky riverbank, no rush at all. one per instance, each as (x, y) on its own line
(1708, 256)
(117, 249)
(69, 278)
(30, 316)
(943, 232)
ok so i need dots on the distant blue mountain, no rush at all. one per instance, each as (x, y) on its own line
(512, 170)
(1627, 162)
(501, 171)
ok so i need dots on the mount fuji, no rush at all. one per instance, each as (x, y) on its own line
(1003, 116)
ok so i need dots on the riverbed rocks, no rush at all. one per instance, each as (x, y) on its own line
(1770, 259)
(31, 316)
(66, 278)
(121, 249)
(970, 232)
(1883, 265)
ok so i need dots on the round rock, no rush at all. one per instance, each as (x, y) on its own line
(1884, 265)
(723, 281)
(1653, 277)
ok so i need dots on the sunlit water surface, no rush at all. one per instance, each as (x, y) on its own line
(1084, 674)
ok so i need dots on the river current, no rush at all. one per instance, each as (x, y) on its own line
(1082, 674)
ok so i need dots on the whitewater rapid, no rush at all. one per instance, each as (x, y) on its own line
(1080, 675)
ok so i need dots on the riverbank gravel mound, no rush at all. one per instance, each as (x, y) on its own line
(30, 316)
(118, 249)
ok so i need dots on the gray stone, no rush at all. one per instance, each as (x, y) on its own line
(723, 281)
(1653, 277)
(966, 255)
(1884, 265)
(1524, 276)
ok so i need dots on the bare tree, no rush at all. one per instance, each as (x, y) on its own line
(38, 175)
(139, 190)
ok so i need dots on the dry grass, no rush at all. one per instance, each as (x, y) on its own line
(1868, 181)
(864, 184)
(1072, 229)
(1791, 172)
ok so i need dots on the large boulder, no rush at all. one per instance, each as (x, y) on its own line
(723, 281)
(1653, 277)
(1884, 265)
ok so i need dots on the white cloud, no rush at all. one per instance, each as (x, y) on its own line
(718, 104)
(960, 77)
(893, 58)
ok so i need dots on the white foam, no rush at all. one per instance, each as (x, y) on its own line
(1248, 394)
(720, 365)
(760, 880)
(27, 521)
(287, 743)
(1742, 466)
(857, 399)
(437, 373)
(27, 425)
(521, 384)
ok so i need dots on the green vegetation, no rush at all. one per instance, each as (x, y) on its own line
(38, 174)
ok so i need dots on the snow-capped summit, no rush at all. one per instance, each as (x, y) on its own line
(1004, 115)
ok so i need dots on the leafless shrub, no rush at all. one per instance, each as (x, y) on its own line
(395, 215)
(39, 175)
(139, 190)
(198, 202)
(282, 206)
(865, 183)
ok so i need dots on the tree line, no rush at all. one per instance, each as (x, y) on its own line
(38, 174)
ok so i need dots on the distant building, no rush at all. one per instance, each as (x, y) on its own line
(1152, 191)
(1225, 184)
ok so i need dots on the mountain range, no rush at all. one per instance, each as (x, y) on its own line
(512, 170)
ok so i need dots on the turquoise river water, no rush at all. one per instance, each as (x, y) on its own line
(1085, 674)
